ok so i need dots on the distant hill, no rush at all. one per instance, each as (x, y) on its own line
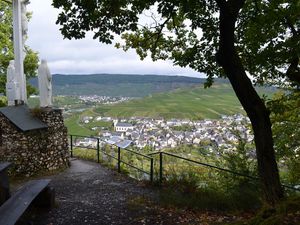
(118, 85)
(190, 103)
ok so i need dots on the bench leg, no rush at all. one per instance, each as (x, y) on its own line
(4, 187)
(46, 199)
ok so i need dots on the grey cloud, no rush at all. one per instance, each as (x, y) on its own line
(86, 56)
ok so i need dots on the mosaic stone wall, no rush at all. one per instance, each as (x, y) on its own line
(35, 151)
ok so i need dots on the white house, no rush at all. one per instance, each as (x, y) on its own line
(123, 127)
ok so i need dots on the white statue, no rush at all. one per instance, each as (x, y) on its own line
(45, 84)
(11, 72)
(12, 86)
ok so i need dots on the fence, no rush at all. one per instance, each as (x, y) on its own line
(119, 156)
(160, 166)
(195, 162)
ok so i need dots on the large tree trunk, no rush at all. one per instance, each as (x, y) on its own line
(255, 108)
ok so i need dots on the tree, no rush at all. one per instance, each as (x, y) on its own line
(214, 37)
(285, 119)
(6, 49)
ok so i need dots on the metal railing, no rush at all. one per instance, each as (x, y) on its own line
(161, 166)
(118, 158)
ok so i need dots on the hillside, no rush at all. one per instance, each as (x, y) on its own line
(118, 85)
(192, 103)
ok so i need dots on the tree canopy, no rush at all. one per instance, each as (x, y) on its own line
(270, 41)
(187, 31)
(233, 39)
(285, 117)
(7, 51)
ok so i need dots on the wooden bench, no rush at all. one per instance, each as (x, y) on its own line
(36, 192)
(4, 182)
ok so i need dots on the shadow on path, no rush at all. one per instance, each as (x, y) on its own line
(88, 193)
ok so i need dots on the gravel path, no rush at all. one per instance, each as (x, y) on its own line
(88, 193)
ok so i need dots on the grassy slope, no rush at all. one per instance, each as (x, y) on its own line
(75, 127)
(193, 103)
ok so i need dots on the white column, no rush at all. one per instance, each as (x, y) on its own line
(18, 49)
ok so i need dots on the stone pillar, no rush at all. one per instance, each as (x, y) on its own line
(18, 49)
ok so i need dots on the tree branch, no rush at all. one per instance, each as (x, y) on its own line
(174, 25)
(7, 1)
(293, 72)
(221, 3)
(291, 26)
(159, 32)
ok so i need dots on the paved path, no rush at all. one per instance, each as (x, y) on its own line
(88, 193)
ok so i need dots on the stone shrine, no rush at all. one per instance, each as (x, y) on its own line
(34, 140)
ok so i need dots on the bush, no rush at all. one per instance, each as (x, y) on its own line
(287, 212)
(205, 188)
(3, 101)
(202, 187)
(88, 154)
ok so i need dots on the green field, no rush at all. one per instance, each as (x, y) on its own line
(194, 103)
(74, 126)
(59, 102)
(190, 103)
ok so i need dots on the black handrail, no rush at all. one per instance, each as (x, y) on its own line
(77, 135)
(161, 153)
(119, 161)
(211, 166)
(135, 167)
(137, 153)
(129, 150)
(205, 164)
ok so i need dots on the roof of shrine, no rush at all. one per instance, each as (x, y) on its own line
(22, 117)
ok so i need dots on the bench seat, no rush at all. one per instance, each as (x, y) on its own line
(4, 182)
(36, 191)
(4, 166)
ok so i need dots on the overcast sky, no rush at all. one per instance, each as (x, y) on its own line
(86, 56)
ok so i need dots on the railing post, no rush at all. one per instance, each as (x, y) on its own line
(98, 150)
(151, 170)
(119, 159)
(160, 167)
(71, 142)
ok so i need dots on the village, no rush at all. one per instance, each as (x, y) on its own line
(103, 99)
(158, 134)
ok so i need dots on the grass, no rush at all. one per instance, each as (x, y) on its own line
(103, 124)
(286, 212)
(74, 126)
(193, 103)
(186, 103)
(58, 101)
(205, 189)
(88, 154)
